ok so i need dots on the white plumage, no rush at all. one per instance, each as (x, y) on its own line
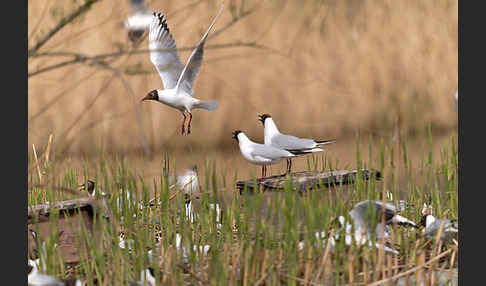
(137, 23)
(177, 78)
(263, 155)
(273, 137)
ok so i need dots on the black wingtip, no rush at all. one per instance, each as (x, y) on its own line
(326, 141)
(162, 20)
(300, 152)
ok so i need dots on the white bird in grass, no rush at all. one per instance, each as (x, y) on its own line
(432, 226)
(273, 137)
(187, 182)
(147, 278)
(124, 243)
(125, 197)
(139, 21)
(264, 155)
(177, 79)
(35, 278)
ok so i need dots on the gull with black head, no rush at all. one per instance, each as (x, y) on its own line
(432, 225)
(261, 154)
(273, 137)
(177, 78)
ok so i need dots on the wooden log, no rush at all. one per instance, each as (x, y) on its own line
(74, 215)
(307, 180)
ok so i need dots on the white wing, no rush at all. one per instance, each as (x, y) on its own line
(167, 63)
(269, 153)
(192, 66)
(292, 143)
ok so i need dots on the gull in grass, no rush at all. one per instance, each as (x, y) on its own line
(273, 137)
(262, 154)
(349, 238)
(177, 78)
(198, 249)
(364, 215)
(187, 182)
(369, 212)
(125, 198)
(147, 278)
(139, 21)
(35, 278)
(432, 225)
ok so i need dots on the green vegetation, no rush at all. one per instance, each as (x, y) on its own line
(258, 240)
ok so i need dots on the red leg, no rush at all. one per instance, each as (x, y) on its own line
(289, 165)
(189, 124)
(183, 123)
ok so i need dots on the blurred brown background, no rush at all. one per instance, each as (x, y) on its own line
(328, 69)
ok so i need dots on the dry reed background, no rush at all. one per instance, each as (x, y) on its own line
(332, 67)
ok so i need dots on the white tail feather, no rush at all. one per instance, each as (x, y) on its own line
(208, 105)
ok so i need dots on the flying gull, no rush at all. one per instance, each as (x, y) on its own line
(177, 78)
(139, 21)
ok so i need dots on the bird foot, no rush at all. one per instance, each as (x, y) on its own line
(183, 130)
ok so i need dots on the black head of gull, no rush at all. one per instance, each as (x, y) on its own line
(235, 134)
(263, 117)
(89, 186)
(153, 95)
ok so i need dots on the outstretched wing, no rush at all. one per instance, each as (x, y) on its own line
(192, 66)
(163, 53)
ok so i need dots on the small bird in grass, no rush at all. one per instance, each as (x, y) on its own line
(177, 78)
(264, 155)
(273, 137)
(90, 187)
(432, 225)
(139, 21)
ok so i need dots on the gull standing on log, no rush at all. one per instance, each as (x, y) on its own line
(276, 139)
(177, 79)
(264, 155)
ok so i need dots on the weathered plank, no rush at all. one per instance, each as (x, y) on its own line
(68, 205)
(74, 215)
(308, 179)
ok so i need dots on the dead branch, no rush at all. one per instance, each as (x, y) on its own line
(64, 21)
